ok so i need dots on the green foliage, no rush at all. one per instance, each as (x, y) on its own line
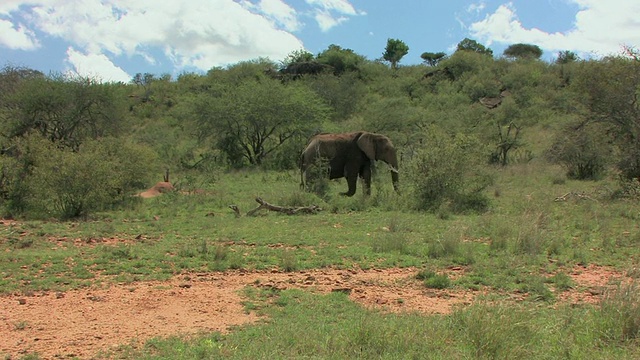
(583, 150)
(250, 120)
(566, 56)
(523, 51)
(434, 280)
(432, 59)
(395, 51)
(344, 94)
(448, 169)
(465, 62)
(473, 46)
(63, 110)
(340, 60)
(50, 181)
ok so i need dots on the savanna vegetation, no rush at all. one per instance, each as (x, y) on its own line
(514, 168)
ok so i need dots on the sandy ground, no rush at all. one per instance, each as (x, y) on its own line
(81, 323)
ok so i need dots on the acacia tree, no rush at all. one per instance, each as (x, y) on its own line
(252, 119)
(523, 51)
(395, 51)
(432, 59)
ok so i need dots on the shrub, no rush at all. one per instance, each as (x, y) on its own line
(583, 150)
(433, 280)
(448, 169)
(53, 181)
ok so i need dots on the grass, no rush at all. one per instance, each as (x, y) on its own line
(525, 243)
(305, 325)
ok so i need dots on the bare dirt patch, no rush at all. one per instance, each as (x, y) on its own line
(84, 322)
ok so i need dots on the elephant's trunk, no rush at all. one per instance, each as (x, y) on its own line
(393, 163)
(394, 179)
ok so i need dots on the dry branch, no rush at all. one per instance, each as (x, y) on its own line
(574, 194)
(289, 210)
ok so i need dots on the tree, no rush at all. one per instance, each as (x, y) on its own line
(395, 51)
(472, 45)
(65, 111)
(432, 59)
(609, 90)
(302, 62)
(566, 56)
(523, 51)
(341, 60)
(251, 119)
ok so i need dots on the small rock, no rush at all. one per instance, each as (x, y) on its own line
(22, 301)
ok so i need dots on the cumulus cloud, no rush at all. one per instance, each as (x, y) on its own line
(95, 65)
(277, 10)
(330, 13)
(191, 34)
(600, 26)
(19, 38)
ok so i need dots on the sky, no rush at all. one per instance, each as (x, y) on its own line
(114, 39)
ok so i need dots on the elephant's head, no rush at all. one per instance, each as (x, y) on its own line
(379, 147)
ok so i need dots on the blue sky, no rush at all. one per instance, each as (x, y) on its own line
(115, 39)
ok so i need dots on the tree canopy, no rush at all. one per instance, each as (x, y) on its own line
(471, 45)
(395, 51)
(523, 51)
(432, 59)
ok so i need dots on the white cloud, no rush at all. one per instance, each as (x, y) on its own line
(19, 38)
(600, 26)
(95, 65)
(283, 14)
(326, 20)
(476, 7)
(330, 13)
(195, 33)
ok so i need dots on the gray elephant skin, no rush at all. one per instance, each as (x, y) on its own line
(350, 155)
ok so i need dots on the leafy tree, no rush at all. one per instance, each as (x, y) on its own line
(341, 60)
(583, 150)
(432, 59)
(471, 45)
(465, 63)
(566, 56)
(343, 93)
(12, 77)
(395, 51)
(64, 110)
(612, 89)
(523, 51)
(301, 62)
(251, 119)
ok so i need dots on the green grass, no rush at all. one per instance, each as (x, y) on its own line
(525, 243)
(304, 325)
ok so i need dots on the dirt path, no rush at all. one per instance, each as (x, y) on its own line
(81, 323)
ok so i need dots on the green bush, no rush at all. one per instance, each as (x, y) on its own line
(583, 150)
(448, 169)
(52, 181)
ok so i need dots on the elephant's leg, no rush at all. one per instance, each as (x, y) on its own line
(351, 173)
(365, 173)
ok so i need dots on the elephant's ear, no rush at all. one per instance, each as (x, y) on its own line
(367, 143)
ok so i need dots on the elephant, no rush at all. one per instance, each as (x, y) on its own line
(350, 155)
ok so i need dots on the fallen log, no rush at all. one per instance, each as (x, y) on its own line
(289, 210)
